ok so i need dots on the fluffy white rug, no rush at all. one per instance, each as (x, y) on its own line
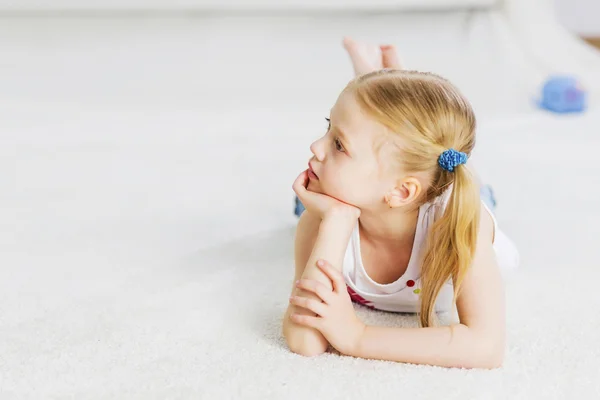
(146, 241)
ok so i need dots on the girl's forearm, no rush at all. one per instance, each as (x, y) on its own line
(445, 346)
(332, 240)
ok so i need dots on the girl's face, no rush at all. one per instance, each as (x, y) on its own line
(345, 160)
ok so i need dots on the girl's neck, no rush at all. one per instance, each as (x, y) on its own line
(392, 227)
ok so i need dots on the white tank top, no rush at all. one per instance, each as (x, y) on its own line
(403, 295)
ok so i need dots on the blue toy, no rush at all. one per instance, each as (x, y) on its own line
(563, 94)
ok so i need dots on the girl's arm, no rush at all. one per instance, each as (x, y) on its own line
(316, 239)
(476, 342)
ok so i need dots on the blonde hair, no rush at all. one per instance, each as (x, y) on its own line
(430, 115)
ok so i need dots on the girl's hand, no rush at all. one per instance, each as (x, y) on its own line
(336, 318)
(321, 204)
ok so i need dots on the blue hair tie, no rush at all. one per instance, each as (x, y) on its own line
(451, 158)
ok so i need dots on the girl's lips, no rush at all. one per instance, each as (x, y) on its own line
(311, 173)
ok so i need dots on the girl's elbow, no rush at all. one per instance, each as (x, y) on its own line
(487, 349)
(496, 359)
(492, 361)
(485, 352)
(491, 355)
(304, 341)
(307, 346)
(482, 360)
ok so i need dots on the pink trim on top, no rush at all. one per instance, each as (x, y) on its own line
(357, 298)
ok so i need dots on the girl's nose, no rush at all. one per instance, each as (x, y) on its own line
(318, 149)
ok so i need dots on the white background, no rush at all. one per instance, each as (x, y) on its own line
(231, 4)
(580, 16)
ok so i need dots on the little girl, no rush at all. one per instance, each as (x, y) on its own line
(394, 220)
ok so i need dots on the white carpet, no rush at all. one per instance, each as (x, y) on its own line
(147, 223)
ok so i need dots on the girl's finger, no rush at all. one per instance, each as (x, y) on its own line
(310, 304)
(317, 288)
(306, 320)
(300, 183)
(337, 279)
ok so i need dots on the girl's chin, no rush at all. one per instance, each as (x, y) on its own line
(314, 186)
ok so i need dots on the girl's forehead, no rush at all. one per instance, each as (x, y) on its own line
(348, 116)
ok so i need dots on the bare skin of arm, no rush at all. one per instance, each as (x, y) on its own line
(315, 239)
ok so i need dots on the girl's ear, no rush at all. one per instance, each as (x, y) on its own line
(407, 191)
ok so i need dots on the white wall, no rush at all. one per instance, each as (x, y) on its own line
(53, 5)
(580, 16)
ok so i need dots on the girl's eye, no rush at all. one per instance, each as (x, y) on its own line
(338, 145)
(336, 141)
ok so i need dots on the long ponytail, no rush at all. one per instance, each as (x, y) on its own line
(450, 243)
